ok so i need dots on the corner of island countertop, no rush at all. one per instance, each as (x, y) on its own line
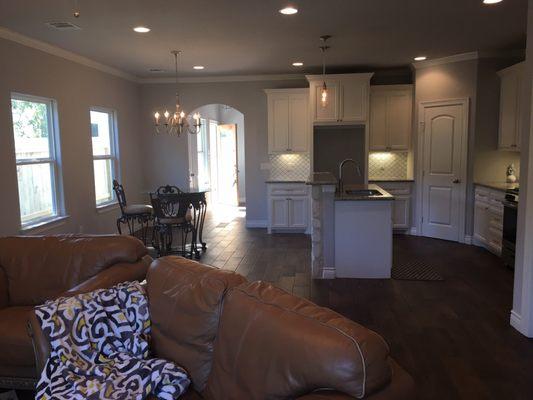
(322, 178)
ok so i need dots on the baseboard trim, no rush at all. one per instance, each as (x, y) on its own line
(516, 322)
(468, 239)
(328, 273)
(413, 231)
(256, 223)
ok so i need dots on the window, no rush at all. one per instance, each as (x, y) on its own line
(38, 172)
(105, 154)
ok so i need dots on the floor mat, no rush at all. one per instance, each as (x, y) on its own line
(409, 269)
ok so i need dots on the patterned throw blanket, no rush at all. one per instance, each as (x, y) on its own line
(99, 348)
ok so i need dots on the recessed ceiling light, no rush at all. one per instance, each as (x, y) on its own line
(297, 64)
(492, 1)
(289, 10)
(198, 67)
(420, 58)
(141, 29)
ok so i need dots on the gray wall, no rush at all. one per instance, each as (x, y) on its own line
(490, 164)
(75, 88)
(166, 158)
(451, 81)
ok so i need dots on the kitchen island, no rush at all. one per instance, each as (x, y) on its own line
(351, 231)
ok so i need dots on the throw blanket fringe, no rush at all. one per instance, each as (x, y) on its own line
(100, 348)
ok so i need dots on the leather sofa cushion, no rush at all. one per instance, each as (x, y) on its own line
(4, 299)
(16, 347)
(41, 267)
(273, 345)
(185, 300)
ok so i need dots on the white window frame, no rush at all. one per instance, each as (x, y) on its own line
(53, 159)
(113, 156)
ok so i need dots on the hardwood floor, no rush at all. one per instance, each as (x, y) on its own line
(453, 336)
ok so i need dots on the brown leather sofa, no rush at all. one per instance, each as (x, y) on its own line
(34, 269)
(241, 340)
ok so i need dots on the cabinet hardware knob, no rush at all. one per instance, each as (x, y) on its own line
(456, 180)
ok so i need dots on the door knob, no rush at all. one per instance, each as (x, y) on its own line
(456, 180)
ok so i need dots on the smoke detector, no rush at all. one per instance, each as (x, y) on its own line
(63, 26)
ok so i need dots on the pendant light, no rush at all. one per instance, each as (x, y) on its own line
(324, 95)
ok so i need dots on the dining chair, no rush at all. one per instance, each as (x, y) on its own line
(130, 214)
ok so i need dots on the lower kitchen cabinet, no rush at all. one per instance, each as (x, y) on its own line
(401, 207)
(488, 219)
(288, 207)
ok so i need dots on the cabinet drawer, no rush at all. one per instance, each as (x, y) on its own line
(288, 190)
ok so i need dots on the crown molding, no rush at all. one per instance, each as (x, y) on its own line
(16, 37)
(225, 78)
(446, 60)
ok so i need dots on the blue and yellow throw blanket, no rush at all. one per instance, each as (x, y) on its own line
(99, 348)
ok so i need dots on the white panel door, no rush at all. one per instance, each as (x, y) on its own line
(443, 192)
(298, 123)
(330, 113)
(279, 124)
(354, 97)
(279, 212)
(378, 121)
(298, 212)
(399, 119)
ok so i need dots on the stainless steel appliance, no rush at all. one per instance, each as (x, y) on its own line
(510, 207)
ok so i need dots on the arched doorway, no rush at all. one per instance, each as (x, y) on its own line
(216, 155)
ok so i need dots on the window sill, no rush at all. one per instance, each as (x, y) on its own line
(107, 207)
(43, 226)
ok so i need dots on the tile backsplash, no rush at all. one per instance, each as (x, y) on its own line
(290, 167)
(387, 165)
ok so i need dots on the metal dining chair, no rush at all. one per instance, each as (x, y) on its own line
(131, 214)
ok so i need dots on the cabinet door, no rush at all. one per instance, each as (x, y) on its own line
(278, 124)
(298, 123)
(481, 222)
(353, 100)
(298, 212)
(330, 113)
(279, 217)
(509, 103)
(378, 121)
(400, 212)
(399, 119)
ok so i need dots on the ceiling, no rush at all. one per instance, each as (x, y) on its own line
(239, 37)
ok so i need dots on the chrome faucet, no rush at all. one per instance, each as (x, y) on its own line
(341, 165)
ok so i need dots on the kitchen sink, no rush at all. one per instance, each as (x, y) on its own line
(363, 192)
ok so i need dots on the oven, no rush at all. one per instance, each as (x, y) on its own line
(510, 211)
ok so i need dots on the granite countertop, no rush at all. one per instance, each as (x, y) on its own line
(322, 178)
(498, 185)
(391, 180)
(350, 197)
(284, 181)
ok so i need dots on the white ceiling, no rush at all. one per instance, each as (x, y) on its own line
(236, 37)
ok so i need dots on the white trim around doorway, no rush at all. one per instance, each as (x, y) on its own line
(464, 102)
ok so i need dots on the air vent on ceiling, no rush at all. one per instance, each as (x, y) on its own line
(63, 26)
(155, 70)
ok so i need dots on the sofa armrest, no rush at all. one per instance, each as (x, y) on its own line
(41, 347)
(4, 297)
(122, 272)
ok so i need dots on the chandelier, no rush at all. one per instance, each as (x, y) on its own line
(178, 122)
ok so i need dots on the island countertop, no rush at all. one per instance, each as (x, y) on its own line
(383, 196)
(322, 178)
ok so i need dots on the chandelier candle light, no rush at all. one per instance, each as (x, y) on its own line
(324, 101)
(178, 122)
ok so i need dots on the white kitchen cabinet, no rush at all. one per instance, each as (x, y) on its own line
(391, 117)
(510, 108)
(288, 207)
(488, 219)
(288, 121)
(401, 206)
(348, 98)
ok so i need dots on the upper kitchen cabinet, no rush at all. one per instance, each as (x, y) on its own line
(391, 114)
(347, 99)
(510, 107)
(288, 120)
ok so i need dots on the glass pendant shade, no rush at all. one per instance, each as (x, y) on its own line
(324, 100)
